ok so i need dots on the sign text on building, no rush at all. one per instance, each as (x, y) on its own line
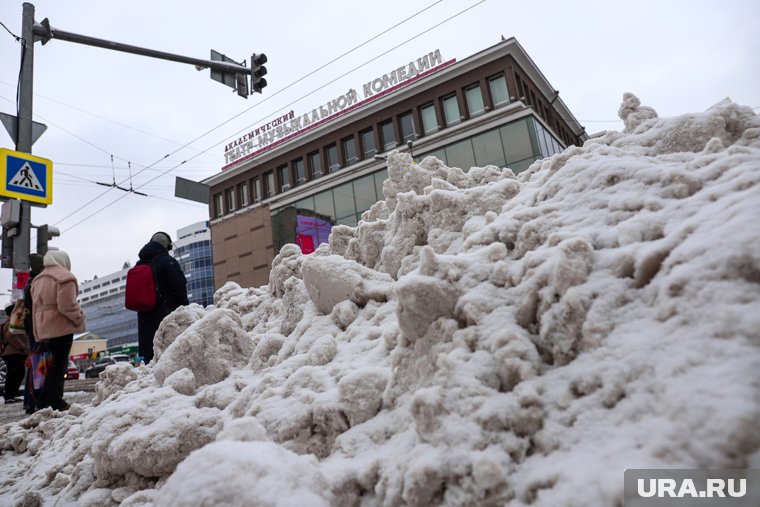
(289, 125)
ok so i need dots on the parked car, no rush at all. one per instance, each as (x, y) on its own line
(72, 372)
(103, 362)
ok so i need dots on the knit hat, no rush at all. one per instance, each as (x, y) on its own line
(162, 239)
(35, 262)
(57, 258)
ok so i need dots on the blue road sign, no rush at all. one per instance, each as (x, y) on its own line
(26, 177)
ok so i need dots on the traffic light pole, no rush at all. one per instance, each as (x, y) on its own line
(47, 32)
(31, 31)
(24, 144)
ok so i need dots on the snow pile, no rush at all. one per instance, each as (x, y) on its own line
(478, 339)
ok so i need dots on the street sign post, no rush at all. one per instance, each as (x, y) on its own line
(26, 177)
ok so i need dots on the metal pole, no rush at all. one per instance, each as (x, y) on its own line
(46, 31)
(24, 144)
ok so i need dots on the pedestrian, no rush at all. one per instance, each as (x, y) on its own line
(56, 316)
(30, 394)
(171, 290)
(15, 348)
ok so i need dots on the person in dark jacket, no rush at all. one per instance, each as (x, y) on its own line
(171, 290)
(30, 394)
(14, 351)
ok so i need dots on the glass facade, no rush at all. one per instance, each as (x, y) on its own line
(515, 145)
(195, 261)
(308, 222)
(107, 318)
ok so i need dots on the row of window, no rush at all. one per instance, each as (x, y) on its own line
(515, 145)
(308, 222)
(104, 284)
(365, 145)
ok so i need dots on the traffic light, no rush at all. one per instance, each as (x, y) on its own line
(44, 234)
(258, 71)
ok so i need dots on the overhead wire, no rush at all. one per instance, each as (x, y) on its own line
(162, 173)
(237, 116)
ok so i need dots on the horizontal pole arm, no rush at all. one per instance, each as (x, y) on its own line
(46, 32)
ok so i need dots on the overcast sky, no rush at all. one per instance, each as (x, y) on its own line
(677, 56)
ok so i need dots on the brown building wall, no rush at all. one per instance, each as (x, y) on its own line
(242, 248)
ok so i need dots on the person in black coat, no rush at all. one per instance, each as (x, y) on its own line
(171, 290)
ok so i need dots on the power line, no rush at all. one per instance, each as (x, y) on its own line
(18, 39)
(232, 118)
(326, 84)
(100, 117)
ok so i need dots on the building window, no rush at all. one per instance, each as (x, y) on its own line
(488, 149)
(344, 202)
(451, 110)
(283, 173)
(257, 192)
(429, 120)
(388, 135)
(270, 188)
(460, 155)
(230, 193)
(218, 205)
(368, 143)
(332, 158)
(498, 86)
(517, 142)
(349, 150)
(406, 122)
(475, 103)
(243, 194)
(300, 171)
(315, 164)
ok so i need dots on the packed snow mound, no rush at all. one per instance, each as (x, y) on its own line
(479, 338)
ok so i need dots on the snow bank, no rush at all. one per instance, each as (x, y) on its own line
(478, 339)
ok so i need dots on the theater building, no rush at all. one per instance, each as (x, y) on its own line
(291, 179)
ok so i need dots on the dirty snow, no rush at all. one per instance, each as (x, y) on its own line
(478, 339)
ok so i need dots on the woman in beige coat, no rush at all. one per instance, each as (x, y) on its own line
(57, 316)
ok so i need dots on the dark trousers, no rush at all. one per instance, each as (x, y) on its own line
(147, 325)
(52, 391)
(15, 366)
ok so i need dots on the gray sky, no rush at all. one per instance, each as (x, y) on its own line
(677, 56)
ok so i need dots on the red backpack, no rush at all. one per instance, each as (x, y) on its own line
(140, 293)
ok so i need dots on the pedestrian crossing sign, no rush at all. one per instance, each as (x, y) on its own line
(26, 177)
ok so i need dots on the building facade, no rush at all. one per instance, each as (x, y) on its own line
(292, 179)
(102, 299)
(192, 249)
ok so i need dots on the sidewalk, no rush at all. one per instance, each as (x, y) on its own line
(12, 412)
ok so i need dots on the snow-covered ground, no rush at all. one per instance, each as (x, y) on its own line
(478, 339)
